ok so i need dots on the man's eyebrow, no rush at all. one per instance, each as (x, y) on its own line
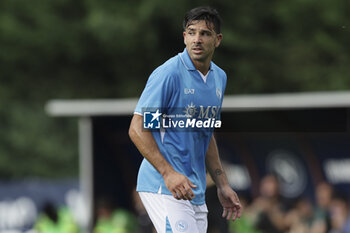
(202, 30)
(206, 30)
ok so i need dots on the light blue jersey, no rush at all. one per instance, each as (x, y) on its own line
(177, 86)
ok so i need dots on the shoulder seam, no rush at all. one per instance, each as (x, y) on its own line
(183, 62)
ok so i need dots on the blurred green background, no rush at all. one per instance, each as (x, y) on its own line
(63, 49)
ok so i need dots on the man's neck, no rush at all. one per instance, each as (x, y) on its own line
(203, 67)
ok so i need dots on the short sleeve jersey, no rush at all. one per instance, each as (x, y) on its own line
(178, 85)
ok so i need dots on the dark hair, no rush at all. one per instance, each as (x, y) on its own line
(210, 15)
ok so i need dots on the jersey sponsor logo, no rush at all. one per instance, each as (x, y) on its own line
(203, 113)
(181, 225)
(151, 120)
(190, 110)
(208, 112)
(189, 91)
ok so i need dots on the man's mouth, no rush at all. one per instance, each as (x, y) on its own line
(197, 49)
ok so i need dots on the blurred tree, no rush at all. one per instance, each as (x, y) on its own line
(107, 49)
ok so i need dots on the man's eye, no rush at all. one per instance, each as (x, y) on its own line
(206, 33)
(191, 33)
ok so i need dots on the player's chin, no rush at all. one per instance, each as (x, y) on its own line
(198, 57)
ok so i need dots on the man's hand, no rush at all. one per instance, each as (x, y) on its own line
(179, 185)
(230, 203)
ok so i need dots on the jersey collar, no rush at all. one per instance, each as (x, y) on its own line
(186, 60)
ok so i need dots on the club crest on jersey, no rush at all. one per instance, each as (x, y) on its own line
(189, 91)
(218, 93)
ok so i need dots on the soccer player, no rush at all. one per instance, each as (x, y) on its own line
(172, 177)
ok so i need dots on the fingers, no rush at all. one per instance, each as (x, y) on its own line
(224, 213)
(239, 211)
(180, 186)
(176, 196)
(185, 192)
(234, 214)
(189, 193)
(192, 185)
(236, 209)
(181, 194)
(230, 213)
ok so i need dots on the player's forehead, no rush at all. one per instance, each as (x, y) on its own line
(200, 25)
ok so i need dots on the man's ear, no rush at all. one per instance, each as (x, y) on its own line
(184, 35)
(218, 40)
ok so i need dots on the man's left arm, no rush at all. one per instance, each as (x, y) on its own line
(228, 198)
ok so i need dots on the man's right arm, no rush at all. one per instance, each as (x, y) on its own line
(179, 185)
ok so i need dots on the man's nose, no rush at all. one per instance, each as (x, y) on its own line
(197, 39)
